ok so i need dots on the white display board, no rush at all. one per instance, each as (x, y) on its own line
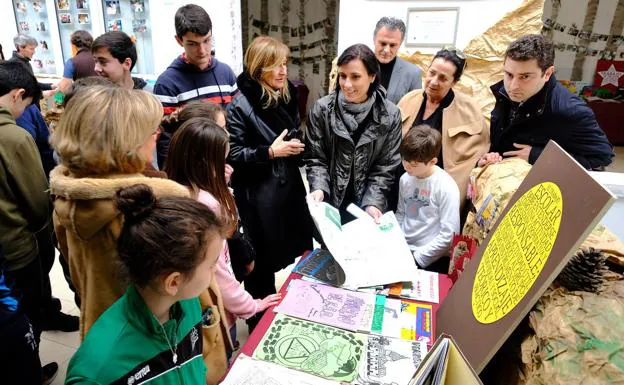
(431, 27)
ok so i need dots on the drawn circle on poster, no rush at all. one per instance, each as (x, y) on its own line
(517, 252)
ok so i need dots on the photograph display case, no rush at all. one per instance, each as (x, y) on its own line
(72, 15)
(132, 17)
(32, 19)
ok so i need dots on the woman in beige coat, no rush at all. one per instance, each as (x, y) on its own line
(105, 139)
(465, 134)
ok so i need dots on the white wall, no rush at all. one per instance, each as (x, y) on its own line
(8, 28)
(358, 18)
(226, 29)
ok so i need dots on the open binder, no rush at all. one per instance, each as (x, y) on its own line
(445, 364)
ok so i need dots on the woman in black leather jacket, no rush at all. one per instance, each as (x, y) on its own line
(353, 137)
(265, 151)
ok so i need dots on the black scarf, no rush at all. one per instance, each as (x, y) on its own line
(280, 117)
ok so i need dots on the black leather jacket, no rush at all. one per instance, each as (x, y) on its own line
(330, 152)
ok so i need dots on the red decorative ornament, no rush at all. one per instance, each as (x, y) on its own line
(609, 75)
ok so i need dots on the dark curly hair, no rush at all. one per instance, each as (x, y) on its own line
(450, 55)
(531, 47)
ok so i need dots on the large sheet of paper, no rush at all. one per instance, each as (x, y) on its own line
(370, 254)
(390, 361)
(247, 371)
(403, 319)
(324, 304)
(313, 348)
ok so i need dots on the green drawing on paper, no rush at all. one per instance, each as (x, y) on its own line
(333, 215)
(314, 348)
(386, 226)
(378, 314)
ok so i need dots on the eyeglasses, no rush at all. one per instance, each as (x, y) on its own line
(459, 53)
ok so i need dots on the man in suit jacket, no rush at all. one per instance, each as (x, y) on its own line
(397, 76)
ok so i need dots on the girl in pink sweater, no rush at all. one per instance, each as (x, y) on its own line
(196, 159)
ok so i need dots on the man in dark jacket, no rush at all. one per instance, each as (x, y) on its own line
(532, 107)
(25, 47)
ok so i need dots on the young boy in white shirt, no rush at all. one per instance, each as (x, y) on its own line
(428, 207)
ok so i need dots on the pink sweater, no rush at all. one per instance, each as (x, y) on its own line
(238, 303)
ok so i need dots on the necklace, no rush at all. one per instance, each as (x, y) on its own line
(175, 343)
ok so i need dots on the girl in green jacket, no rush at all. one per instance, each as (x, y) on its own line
(153, 334)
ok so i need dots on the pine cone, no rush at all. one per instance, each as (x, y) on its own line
(585, 271)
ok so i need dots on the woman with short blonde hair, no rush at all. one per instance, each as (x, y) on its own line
(265, 151)
(106, 129)
(105, 138)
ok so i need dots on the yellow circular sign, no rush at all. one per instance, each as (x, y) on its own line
(517, 252)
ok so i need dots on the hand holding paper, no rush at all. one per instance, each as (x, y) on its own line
(374, 212)
(370, 254)
(317, 195)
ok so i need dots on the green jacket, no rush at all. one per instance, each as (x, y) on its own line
(127, 345)
(24, 200)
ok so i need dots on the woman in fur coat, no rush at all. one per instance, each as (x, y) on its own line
(105, 139)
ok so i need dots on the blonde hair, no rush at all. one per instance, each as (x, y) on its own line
(263, 55)
(103, 129)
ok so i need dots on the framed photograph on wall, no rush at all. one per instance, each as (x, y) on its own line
(431, 27)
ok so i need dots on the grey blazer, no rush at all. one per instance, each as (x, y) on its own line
(405, 78)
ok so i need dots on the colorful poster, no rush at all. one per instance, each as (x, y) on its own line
(324, 304)
(313, 348)
(390, 361)
(425, 287)
(403, 319)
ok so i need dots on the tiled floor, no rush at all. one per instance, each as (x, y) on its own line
(618, 162)
(59, 346)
